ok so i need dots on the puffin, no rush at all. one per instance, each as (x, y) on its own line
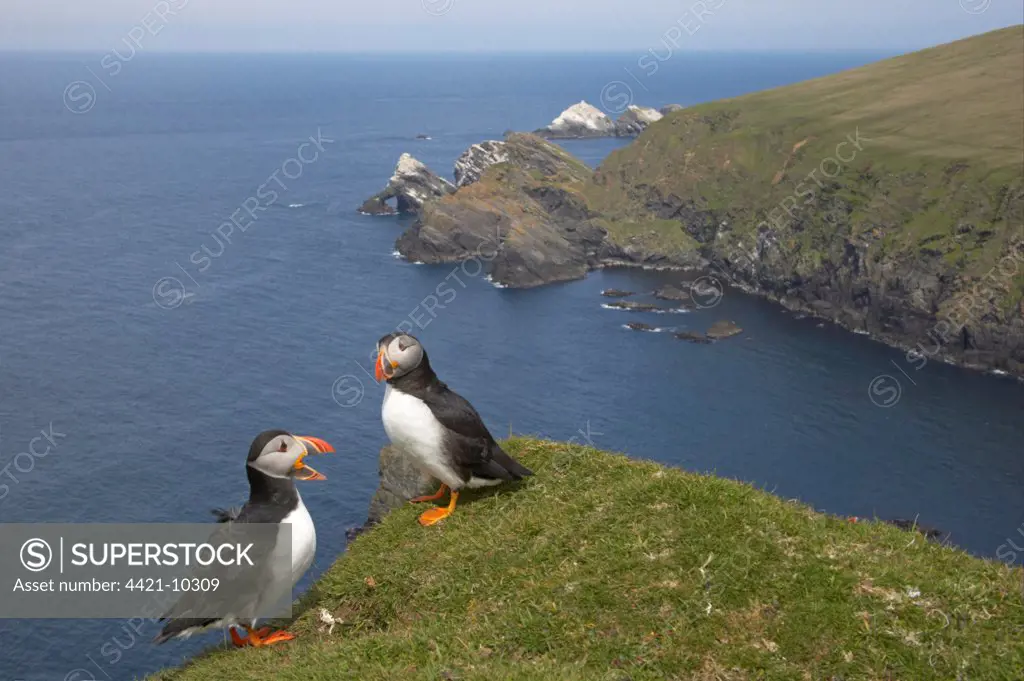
(436, 427)
(276, 460)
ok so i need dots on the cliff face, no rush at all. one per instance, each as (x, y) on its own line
(529, 219)
(526, 220)
(400, 481)
(470, 166)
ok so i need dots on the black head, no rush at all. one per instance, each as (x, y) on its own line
(280, 454)
(397, 355)
(261, 442)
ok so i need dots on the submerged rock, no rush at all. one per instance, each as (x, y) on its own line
(412, 185)
(723, 329)
(640, 326)
(579, 120)
(478, 158)
(693, 337)
(616, 293)
(635, 119)
(672, 293)
(376, 206)
(636, 307)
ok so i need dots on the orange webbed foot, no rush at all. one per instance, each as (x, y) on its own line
(278, 637)
(436, 515)
(238, 640)
(263, 637)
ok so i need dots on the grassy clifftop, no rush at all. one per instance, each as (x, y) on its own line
(600, 567)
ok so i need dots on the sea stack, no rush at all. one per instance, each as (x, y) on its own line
(411, 185)
(579, 120)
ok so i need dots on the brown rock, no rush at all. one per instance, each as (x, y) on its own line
(723, 329)
(376, 206)
(636, 307)
(693, 337)
(400, 480)
(672, 293)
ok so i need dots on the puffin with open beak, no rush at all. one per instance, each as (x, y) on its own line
(436, 427)
(276, 460)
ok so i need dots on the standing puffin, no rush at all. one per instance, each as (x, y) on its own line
(436, 427)
(276, 459)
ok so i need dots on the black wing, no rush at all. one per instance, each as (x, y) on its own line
(456, 413)
(470, 443)
(242, 581)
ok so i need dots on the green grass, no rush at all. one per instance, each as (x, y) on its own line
(657, 236)
(604, 568)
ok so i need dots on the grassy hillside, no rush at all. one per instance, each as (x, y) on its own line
(603, 568)
(942, 135)
(888, 198)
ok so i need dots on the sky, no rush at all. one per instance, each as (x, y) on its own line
(389, 26)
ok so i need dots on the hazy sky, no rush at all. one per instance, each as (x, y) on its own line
(494, 25)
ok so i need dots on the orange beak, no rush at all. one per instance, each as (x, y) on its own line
(380, 370)
(302, 470)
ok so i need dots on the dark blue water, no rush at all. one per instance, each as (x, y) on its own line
(153, 405)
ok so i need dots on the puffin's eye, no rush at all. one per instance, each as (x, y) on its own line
(284, 446)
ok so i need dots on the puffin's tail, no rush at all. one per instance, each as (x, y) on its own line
(517, 470)
(182, 628)
(226, 515)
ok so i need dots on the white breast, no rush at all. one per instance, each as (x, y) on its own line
(303, 540)
(282, 579)
(413, 430)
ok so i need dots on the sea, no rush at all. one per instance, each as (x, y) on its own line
(154, 322)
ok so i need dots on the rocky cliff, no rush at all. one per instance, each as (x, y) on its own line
(888, 199)
(635, 119)
(400, 480)
(526, 220)
(470, 166)
(411, 185)
(520, 219)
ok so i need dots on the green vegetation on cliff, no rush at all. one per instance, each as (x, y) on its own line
(918, 153)
(605, 568)
(888, 198)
